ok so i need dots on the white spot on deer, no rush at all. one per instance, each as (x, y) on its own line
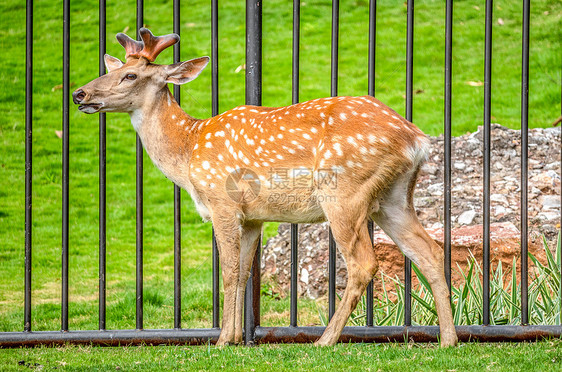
(208, 145)
(219, 134)
(337, 147)
(227, 126)
(354, 113)
(212, 185)
(281, 128)
(254, 111)
(314, 130)
(385, 112)
(363, 150)
(338, 169)
(351, 140)
(221, 158)
(181, 123)
(256, 164)
(196, 146)
(395, 117)
(206, 165)
(203, 183)
(343, 116)
(173, 117)
(327, 154)
(229, 169)
(359, 136)
(227, 143)
(280, 136)
(384, 140)
(292, 151)
(363, 115)
(294, 143)
(209, 177)
(350, 163)
(259, 150)
(243, 121)
(372, 138)
(240, 155)
(207, 136)
(250, 142)
(280, 157)
(307, 136)
(322, 115)
(265, 164)
(271, 138)
(246, 161)
(291, 130)
(330, 120)
(213, 171)
(262, 141)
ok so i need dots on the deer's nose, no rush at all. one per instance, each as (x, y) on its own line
(78, 96)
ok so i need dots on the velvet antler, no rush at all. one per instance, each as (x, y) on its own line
(149, 47)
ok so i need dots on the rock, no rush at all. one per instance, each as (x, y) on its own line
(466, 217)
(459, 165)
(467, 188)
(465, 241)
(550, 201)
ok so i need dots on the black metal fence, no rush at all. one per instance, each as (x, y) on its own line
(253, 331)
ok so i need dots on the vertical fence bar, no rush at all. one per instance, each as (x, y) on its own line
(102, 176)
(524, 162)
(28, 159)
(216, 289)
(294, 226)
(253, 97)
(65, 155)
(369, 291)
(139, 197)
(333, 93)
(215, 111)
(177, 194)
(371, 89)
(447, 142)
(486, 186)
(409, 96)
(331, 275)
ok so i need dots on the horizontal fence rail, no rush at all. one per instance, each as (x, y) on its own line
(254, 333)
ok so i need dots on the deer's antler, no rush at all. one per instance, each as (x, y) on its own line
(149, 47)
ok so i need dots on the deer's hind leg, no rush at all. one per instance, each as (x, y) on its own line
(397, 217)
(349, 227)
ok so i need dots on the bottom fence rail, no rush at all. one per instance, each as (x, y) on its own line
(278, 335)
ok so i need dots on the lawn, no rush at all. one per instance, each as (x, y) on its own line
(468, 47)
(539, 356)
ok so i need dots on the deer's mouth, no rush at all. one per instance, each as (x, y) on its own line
(90, 108)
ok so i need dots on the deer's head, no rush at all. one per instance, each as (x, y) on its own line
(128, 86)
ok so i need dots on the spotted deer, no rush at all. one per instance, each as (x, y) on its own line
(341, 159)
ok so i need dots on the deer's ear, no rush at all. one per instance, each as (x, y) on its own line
(112, 63)
(183, 72)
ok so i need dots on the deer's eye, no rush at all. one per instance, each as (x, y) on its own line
(130, 76)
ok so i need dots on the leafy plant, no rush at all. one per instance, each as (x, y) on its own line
(544, 296)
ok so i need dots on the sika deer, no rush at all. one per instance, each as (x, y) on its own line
(341, 159)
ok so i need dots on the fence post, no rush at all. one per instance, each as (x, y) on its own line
(253, 97)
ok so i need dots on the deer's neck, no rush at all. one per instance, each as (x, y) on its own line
(168, 135)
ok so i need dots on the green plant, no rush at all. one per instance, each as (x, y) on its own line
(544, 291)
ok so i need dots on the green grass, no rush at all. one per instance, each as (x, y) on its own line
(158, 208)
(539, 356)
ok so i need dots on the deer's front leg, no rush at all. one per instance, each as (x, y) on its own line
(248, 246)
(227, 233)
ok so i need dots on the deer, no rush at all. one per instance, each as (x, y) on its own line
(345, 160)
